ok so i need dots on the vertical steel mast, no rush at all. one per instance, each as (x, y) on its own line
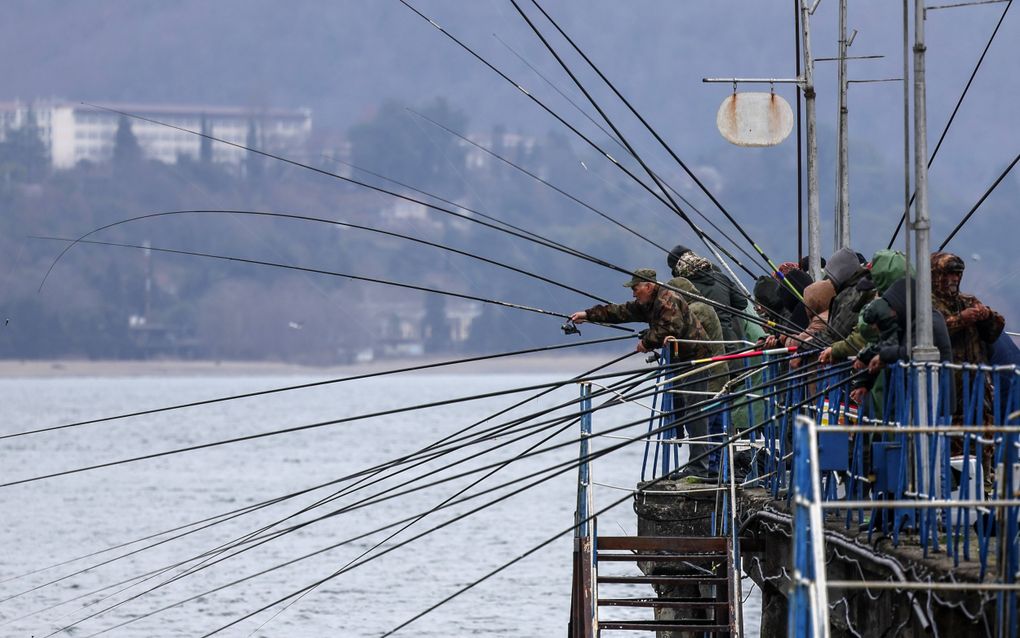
(924, 349)
(814, 226)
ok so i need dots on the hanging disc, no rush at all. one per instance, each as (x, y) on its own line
(755, 119)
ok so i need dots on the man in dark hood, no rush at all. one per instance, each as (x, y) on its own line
(714, 285)
(973, 326)
(887, 316)
(854, 289)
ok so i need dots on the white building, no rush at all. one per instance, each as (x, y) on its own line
(76, 132)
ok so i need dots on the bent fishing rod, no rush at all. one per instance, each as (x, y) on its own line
(771, 264)
(334, 222)
(949, 123)
(305, 427)
(787, 331)
(315, 384)
(331, 273)
(264, 539)
(368, 472)
(571, 465)
(441, 209)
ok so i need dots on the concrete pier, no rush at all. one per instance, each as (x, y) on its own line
(672, 509)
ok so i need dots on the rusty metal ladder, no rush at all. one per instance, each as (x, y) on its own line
(693, 577)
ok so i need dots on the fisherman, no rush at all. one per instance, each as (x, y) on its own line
(973, 326)
(715, 286)
(709, 320)
(854, 289)
(886, 319)
(668, 316)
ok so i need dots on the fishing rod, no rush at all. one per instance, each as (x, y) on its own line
(571, 465)
(667, 201)
(239, 512)
(658, 182)
(789, 332)
(980, 201)
(555, 407)
(952, 116)
(539, 179)
(658, 138)
(319, 271)
(233, 545)
(333, 222)
(314, 384)
(589, 518)
(301, 428)
(620, 144)
(447, 211)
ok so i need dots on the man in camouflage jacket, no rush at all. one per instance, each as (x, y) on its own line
(665, 312)
(668, 316)
(973, 326)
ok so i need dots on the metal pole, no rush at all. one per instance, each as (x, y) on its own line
(842, 154)
(907, 193)
(924, 350)
(800, 143)
(814, 227)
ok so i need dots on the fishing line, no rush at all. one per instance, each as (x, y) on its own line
(378, 189)
(591, 517)
(507, 304)
(357, 506)
(658, 138)
(571, 464)
(980, 201)
(333, 222)
(590, 457)
(267, 538)
(300, 428)
(952, 116)
(313, 384)
(659, 183)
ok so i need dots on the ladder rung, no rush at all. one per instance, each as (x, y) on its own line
(653, 543)
(660, 558)
(664, 580)
(661, 625)
(675, 603)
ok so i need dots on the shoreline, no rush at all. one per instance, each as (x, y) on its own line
(523, 364)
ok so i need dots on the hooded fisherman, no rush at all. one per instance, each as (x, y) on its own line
(973, 326)
(715, 286)
(667, 316)
(854, 288)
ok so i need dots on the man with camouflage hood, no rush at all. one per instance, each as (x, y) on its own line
(973, 326)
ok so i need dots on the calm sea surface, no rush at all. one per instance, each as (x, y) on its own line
(167, 589)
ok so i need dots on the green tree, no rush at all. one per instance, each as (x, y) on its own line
(403, 146)
(23, 155)
(126, 150)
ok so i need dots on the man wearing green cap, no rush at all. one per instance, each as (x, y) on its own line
(666, 313)
(668, 316)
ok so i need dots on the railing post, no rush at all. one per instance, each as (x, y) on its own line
(584, 608)
(809, 602)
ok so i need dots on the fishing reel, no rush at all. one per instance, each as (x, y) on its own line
(570, 328)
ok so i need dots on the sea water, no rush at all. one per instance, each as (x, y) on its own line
(473, 572)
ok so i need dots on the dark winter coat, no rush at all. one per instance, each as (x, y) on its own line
(667, 315)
